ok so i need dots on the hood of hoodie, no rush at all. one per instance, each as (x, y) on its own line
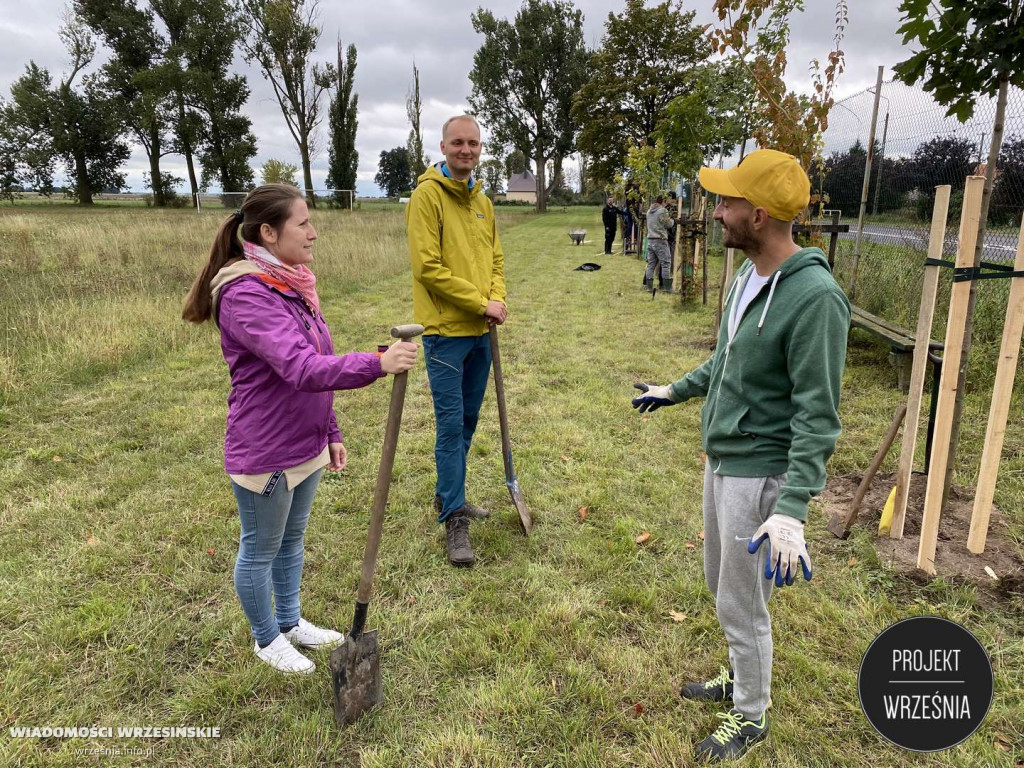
(230, 272)
(457, 189)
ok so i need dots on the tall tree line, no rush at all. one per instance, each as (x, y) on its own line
(167, 86)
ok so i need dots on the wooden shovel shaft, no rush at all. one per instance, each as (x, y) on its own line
(499, 393)
(387, 463)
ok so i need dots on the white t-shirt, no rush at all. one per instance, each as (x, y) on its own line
(753, 285)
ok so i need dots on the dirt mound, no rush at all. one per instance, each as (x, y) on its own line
(953, 561)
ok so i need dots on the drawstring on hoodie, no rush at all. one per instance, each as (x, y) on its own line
(768, 302)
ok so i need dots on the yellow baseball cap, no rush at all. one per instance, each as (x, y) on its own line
(766, 179)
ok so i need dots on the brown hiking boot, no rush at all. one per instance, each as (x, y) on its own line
(475, 512)
(456, 534)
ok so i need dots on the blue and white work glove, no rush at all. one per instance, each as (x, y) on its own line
(786, 547)
(654, 397)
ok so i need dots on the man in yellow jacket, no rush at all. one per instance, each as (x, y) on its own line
(458, 293)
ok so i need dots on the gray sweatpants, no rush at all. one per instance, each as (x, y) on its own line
(734, 507)
(657, 251)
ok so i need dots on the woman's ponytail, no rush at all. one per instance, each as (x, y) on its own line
(226, 248)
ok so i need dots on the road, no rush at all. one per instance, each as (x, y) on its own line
(999, 246)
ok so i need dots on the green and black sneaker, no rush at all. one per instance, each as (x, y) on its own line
(733, 738)
(716, 689)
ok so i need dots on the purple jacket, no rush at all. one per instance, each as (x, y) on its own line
(283, 373)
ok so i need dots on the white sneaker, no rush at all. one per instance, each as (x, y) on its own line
(306, 635)
(283, 657)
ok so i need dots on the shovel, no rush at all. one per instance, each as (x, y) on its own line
(511, 481)
(355, 664)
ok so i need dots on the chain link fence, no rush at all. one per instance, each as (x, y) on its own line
(917, 147)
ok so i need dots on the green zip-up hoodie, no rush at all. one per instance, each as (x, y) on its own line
(773, 388)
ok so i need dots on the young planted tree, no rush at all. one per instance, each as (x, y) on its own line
(757, 33)
(343, 159)
(712, 117)
(648, 58)
(414, 109)
(969, 49)
(394, 172)
(524, 77)
(282, 37)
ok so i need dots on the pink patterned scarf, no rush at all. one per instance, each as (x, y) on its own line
(298, 278)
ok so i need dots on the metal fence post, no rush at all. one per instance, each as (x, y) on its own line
(851, 291)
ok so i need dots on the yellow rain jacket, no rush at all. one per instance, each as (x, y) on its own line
(457, 261)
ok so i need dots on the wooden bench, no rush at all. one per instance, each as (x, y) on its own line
(901, 342)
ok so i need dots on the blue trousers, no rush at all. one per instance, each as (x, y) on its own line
(271, 552)
(458, 367)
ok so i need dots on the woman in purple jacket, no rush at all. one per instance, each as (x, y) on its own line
(281, 427)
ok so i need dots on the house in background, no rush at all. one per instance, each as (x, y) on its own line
(522, 186)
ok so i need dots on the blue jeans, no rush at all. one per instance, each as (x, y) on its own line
(458, 367)
(271, 550)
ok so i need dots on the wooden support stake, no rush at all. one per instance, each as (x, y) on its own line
(969, 219)
(999, 411)
(925, 317)
(677, 254)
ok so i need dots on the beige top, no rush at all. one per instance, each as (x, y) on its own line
(262, 483)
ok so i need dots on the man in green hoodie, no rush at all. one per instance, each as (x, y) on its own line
(458, 294)
(769, 424)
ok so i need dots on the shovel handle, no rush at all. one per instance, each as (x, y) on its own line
(499, 395)
(380, 494)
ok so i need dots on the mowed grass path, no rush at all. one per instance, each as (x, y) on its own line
(118, 532)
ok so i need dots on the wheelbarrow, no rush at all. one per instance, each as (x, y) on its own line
(577, 236)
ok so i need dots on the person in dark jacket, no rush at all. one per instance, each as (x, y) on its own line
(769, 424)
(610, 216)
(282, 431)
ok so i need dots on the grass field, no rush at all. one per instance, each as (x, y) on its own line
(118, 529)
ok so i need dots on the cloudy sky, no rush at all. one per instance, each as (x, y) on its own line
(390, 34)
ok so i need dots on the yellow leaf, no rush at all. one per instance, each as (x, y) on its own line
(701, 534)
(690, 545)
(58, 458)
(677, 617)
(853, 562)
(643, 537)
(92, 541)
(584, 513)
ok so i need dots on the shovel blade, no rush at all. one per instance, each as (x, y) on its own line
(355, 677)
(525, 519)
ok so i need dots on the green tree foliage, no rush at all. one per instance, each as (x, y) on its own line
(394, 172)
(343, 116)
(279, 172)
(207, 97)
(492, 172)
(967, 48)
(524, 78)
(757, 32)
(711, 118)
(134, 72)
(414, 109)
(648, 58)
(282, 37)
(79, 126)
(516, 162)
